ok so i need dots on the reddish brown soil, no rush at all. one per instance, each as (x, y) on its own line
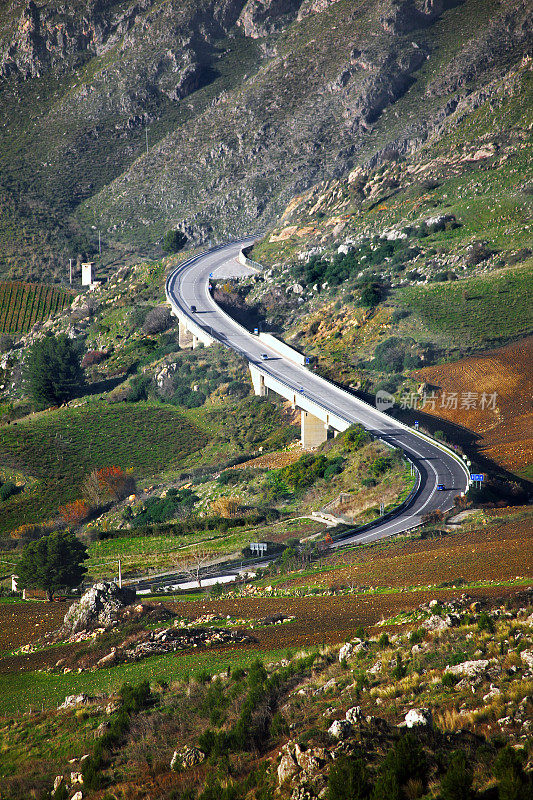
(506, 430)
(25, 623)
(503, 550)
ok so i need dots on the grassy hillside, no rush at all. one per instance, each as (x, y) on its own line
(55, 451)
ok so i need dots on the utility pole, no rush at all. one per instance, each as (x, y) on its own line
(99, 244)
(70, 270)
(146, 133)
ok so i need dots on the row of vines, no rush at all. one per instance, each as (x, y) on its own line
(23, 304)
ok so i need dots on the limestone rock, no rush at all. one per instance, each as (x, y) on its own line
(340, 729)
(345, 651)
(469, 669)
(98, 606)
(527, 658)
(287, 767)
(77, 796)
(418, 717)
(186, 757)
(354, 715)
(73, 701)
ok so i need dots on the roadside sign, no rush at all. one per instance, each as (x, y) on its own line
(416, 425)
(307, 360)
(477, 477)
(259, 548)
(256, 331)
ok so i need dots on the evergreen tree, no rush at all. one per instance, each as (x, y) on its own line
(53, 371)
(173, 241)
(457, 782)
(53, 563)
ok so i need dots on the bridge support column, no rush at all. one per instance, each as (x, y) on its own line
(186, 339)
(258, 382)
(314, 431)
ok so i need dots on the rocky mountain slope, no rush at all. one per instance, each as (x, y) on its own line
(134, 117)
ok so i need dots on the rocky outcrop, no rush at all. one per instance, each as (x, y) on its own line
(418, 717)
(186, 758)
(97, 608)
(262, 17)
(403, 16)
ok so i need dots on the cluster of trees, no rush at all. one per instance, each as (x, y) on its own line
(405, 770)
(301, 474)
(176, 503)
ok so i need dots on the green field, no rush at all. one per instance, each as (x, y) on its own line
(58, 449)
(24, 304)
(19, 693)
(484, 310)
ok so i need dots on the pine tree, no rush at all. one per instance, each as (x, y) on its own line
(53, 371)
(53, 563)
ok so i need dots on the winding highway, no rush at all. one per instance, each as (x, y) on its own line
(188, 293)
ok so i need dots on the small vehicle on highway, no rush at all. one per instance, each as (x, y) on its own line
(301, 389)
(264, 356)
(440, 487)
(193, 309)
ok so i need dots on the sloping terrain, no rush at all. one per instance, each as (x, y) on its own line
(131, 118)
(504, 418)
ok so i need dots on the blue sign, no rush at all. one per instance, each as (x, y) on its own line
(416, 425)
(307, 360)
(256, 331)
(476, 477)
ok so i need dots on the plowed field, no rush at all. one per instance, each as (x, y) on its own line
(506, 426)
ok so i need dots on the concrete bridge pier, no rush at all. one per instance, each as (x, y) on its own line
(186, 339)
(314, 430)
(258, 382)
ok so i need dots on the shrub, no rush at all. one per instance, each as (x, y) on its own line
(400, 670)
(73, 514)
(229, 477)
(485, 623)
(157, 320)
(404, 764)
(449, 680)
(53, 371)
(348, 779)
(356, 437)
(514, 784)
(457, 782)
(7, 490)
(92, 357)
(173, 241)
(384, 640)
(415, 637)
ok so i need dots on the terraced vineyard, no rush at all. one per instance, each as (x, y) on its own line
(23, 304)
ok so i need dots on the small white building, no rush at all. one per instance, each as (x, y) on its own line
(87, 273)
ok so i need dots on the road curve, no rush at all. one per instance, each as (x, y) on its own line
(188, 285)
